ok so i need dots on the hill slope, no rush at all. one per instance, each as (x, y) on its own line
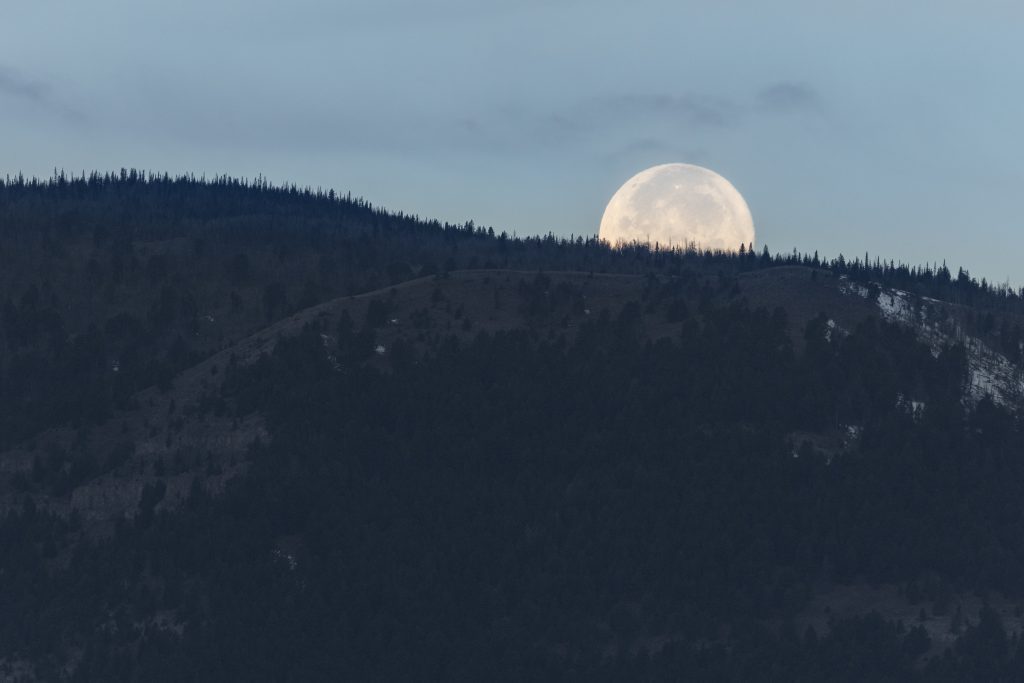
(417, 451)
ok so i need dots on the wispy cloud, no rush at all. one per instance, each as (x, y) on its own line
(654, 147)
(699, 110)
(617, 125)
(689, 108)
(631, 123)
(13, 85)
(789, 97)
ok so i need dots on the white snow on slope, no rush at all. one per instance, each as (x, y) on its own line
(989, 372)
(848, 287)
(832, 327)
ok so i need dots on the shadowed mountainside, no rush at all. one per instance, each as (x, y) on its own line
(259, 433)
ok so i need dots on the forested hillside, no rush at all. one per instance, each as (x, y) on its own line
(267, 433)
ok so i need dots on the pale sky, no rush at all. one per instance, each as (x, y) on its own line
(892, 128)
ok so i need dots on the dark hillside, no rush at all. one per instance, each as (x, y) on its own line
(262, 433)
(111, 283)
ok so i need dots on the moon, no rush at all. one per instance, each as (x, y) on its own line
(678, 205)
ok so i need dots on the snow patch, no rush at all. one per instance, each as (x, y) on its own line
(288, 558)
(915, 408)
(989, 372)
(327, 340)
(847, 287)
(832, 327)
(992, 374)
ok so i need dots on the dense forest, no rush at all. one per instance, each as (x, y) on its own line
(576, 463)
(152, 273)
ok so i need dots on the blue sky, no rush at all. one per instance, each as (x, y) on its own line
(891, 130)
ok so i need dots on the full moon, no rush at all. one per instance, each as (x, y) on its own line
(678, 205)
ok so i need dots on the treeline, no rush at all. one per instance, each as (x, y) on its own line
(157, 206)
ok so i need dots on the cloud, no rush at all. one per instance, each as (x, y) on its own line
(692, 109)
(634, 124)
(789, 97)
(652, 148)
(699, 110)
(14, 85)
